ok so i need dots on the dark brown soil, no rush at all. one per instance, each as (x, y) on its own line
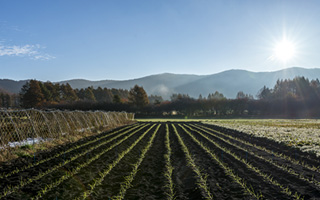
(149, 182)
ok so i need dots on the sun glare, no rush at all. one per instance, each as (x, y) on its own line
(284, 50)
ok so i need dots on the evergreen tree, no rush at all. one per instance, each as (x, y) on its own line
(179, 97)
(265, 93)
(116, 99)
(31, 94)
(67, 93)
(103, 95)
(242, 95)
(5, 100)
(138, 96)
(98, 94)
(108, 96)
(54, 94)
(216, 96)
(80, 93)
(46, 93)
(88, 94)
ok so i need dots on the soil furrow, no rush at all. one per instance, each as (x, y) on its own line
(206, 162)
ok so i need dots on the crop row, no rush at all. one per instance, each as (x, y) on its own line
(283, 167)
(11, 189)
(288, 168)
(77, 169)
(202, 178)
(291, 159)
(300, 134)
(124, 186)
(168, 169)
(34, 164)
(264, 176)
(224, 166)
(167, 160)
(97, 181)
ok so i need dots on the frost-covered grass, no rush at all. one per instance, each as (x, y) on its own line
(303, 134)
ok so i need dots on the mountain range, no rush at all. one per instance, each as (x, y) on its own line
(228, 82)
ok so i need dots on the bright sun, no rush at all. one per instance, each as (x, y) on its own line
(284, 50)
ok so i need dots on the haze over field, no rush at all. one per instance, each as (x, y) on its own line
(122, 40)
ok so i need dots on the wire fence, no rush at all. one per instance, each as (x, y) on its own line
(32, 126)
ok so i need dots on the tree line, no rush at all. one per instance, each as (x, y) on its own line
(8, 100)
(298, 97)
(36, 94)
(299, 88)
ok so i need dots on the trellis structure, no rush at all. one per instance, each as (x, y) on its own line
(17, 126)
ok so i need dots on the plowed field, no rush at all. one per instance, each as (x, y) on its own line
(167, 160)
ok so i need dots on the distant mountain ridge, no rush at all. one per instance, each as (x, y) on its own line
(228, 82)
(11, 86)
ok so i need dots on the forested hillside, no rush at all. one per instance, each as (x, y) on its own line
(227, 82)
(298, 97)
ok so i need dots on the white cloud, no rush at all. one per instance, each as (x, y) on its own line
(31, 51)
(43, 57)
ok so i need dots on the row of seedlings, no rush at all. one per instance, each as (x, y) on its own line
(23, 182)
(124, 186)
(293, 158)
(286, 168)
(266, 177)
(168, 168)
(102, 174)
(225, 167)
(77, 169)
(34, 164)
(201, 178)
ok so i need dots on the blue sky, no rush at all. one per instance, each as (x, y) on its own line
(125, 39)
